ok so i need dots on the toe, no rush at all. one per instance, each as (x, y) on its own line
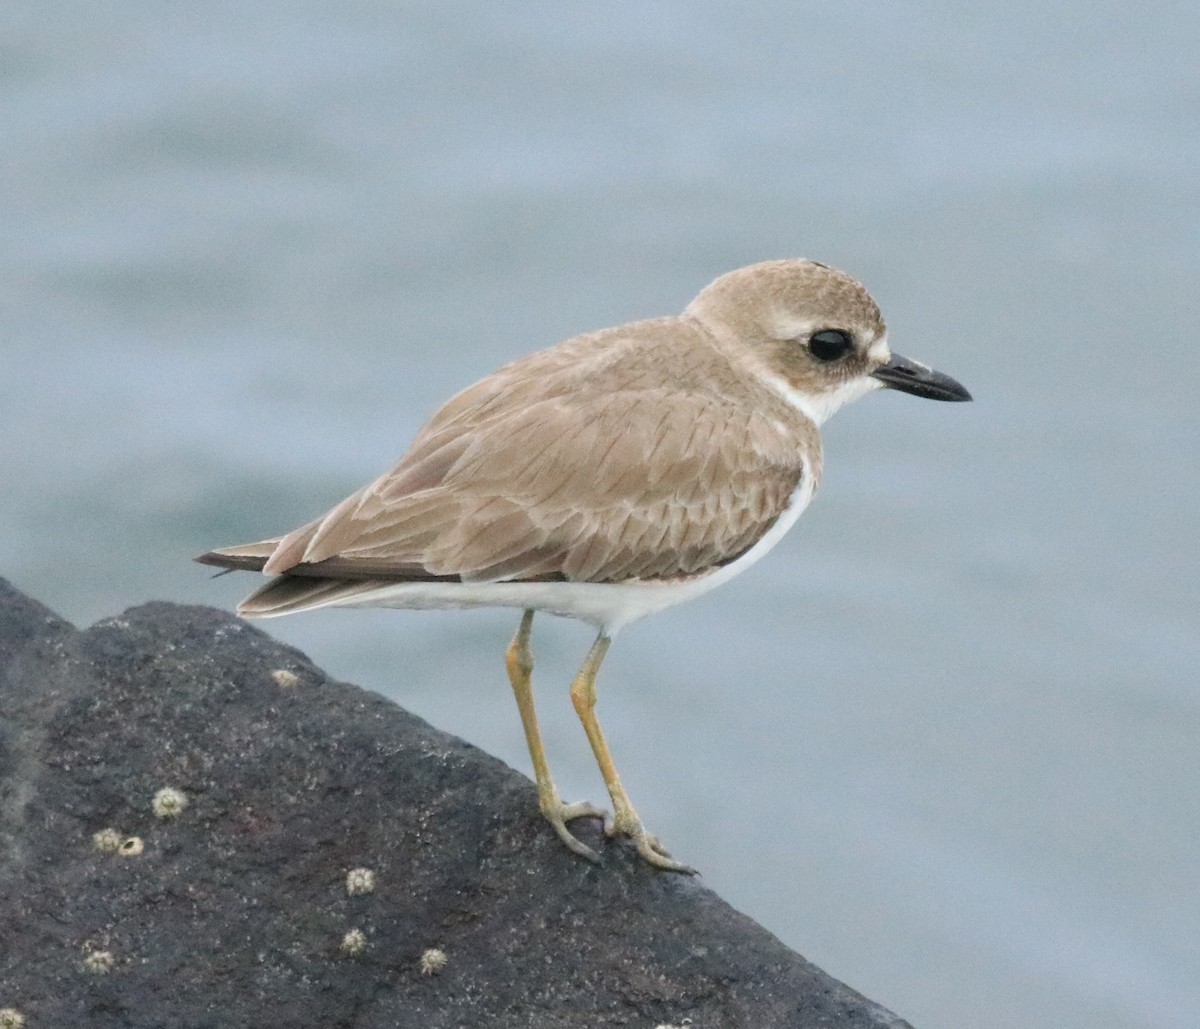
(576, 845)
(653, 853)
(559, 814)
(627, 823)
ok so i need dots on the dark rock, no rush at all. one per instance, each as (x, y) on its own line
(233, 913)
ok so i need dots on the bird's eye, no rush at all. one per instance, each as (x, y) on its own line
(830, 344)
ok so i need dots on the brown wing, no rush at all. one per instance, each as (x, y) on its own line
(645, 484)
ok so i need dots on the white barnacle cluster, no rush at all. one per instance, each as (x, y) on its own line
(99, 962)
(360, 881)
(433, 961)
(11, 1018)
(110, 841)
(107, 841)
(168, 803)
(285, 678)
(354, 942)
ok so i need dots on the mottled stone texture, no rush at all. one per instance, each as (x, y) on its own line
(234, 913)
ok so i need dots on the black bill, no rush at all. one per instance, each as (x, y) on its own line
(920, 380)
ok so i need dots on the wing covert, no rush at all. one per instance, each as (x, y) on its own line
(644, 483)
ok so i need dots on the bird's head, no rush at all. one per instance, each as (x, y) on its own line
(815, 333)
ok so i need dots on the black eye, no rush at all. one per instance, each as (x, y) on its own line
(830, 344)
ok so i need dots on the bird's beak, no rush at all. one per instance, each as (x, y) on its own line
(919, 379)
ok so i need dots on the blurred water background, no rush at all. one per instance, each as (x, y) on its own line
(944, 740)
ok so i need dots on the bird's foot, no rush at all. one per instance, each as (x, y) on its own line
(625, 822)
(558, 814)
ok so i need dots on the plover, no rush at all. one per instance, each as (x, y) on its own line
(604, 479)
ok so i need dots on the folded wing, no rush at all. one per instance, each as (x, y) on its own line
(642, 483)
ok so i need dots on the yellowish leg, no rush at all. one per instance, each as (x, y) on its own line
(625, 821)
(519, 661)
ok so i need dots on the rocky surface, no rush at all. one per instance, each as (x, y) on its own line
(236, 912)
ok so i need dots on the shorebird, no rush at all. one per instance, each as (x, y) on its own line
(606, 478)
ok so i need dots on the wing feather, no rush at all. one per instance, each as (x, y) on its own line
(554, 474)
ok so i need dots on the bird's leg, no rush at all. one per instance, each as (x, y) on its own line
(519, 661)
(625, 820)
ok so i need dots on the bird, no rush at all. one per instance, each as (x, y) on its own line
(605, 478)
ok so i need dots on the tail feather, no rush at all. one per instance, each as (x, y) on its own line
(248, 557)
(287, 594)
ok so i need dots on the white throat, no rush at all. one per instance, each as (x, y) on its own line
(818, 407)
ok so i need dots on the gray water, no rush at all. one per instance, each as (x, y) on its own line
(943, 740)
